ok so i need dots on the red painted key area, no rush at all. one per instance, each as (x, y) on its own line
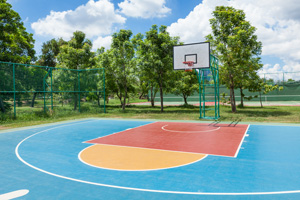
(218, 139)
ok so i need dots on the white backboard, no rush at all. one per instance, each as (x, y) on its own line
(199, 53)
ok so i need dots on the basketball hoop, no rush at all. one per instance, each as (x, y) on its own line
(189, 64)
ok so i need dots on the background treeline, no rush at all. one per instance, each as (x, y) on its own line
(136, 64)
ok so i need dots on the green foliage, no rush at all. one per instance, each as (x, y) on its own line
(155, 56)
(104, 60)
(121, 66)
(185, 84)
(234, 42)
(145, 59)
(50, 50)
(249, 78)
(263, 87)
(224, 100)
(76, 53)
(27, 78)
(16, 45)
(290, 80)
(266, 88)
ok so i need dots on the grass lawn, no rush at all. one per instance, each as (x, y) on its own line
(272, 114)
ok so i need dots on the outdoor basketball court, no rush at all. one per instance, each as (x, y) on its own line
(126, 159)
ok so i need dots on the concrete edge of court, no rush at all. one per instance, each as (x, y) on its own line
(126, 119)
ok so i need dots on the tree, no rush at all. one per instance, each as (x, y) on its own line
(185, 85)
(145, 62)
(148, 83)
(104, 60)
(123, 65)
(155, 51)
(16, 45)
(50, 50)
(234, 42)
(290, 80)
(248, 78)
(36, 81)
(75, 54)
(263, 87)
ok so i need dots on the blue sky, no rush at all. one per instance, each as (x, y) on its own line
(33, 10)
(277, 22)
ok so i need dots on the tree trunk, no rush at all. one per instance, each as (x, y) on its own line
(125, 88)
(161, 95)
(124, 98)
(242, 97)
(75, 95)
(161, 99)
(2, 105)
(261, 105)
(141, 96)
(232, 96)
(152, 103)
(152, 97)
(98, 100)
(75, 100)
(33, 99)
(185, 99)
(161, 91)
(123, 101)
(120, 98)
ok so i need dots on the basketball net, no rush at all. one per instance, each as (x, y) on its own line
(188, 65)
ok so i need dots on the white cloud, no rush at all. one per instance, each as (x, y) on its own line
(144, 8)
(94, 19)
(291, 70)
(102, 42)
(277, 23)
(196, 25)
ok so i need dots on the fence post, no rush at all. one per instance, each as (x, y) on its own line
(14, 83)
(44, 87)
(78, 72)
(51, 90)
(104, 89)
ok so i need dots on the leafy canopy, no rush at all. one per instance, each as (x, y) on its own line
(234, 41)
(16, 45)
(155, 55)
(76, 53)
(50, 50)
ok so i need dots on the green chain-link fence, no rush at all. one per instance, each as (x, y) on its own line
(281, 78)
(289, 81)
(29, 89)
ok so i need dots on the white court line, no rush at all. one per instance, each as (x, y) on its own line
(163, 128)
(139, 189)
(238, 150)
(14, 194)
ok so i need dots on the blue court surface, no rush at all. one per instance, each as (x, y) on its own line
(44, 162)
